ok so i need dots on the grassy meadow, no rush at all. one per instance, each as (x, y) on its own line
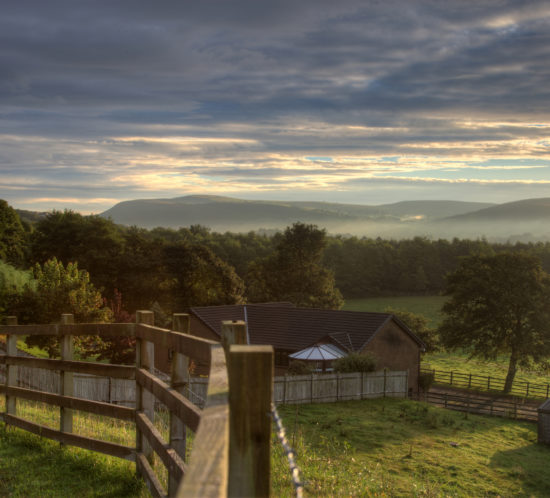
(384, 447)
(390, 447)
(429, 306)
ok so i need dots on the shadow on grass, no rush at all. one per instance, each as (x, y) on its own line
(34, 467)
(528, 466)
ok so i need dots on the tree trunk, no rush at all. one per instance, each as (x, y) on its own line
(512, 368)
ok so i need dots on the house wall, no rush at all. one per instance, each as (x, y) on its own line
(396, 350)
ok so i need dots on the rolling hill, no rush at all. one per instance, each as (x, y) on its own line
(225, 213)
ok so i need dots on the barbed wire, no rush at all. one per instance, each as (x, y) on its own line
(290, 454)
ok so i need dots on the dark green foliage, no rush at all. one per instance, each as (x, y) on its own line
(425, 380)
(300, 368)
(58, 289)
(355, 362)
(418, 324)
(294, 272)
(499, 304)
(94, 242)
(13, 238)
(197, 277)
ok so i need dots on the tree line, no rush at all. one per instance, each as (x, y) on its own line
(499, 294)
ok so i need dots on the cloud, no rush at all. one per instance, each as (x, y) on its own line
(115, 99)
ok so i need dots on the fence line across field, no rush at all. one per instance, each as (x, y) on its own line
(488, 383)
(481, 405)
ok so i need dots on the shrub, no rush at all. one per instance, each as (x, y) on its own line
(426, 380)
(300, 368)
(355, 363)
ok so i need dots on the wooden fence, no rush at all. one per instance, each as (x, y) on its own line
(226, 429)
(482, 405)
(327, 388)
(487, 383)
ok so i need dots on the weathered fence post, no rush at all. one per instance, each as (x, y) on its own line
(145, 358)
(489, 383)
(250, 397)
(470, 381)
(385, 374)
(66, 383)
(180, 382)
(451, 377)
(527, 390)
(233, 332)
(11, 370)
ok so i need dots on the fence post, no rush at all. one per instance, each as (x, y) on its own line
(385, 373)
(284, 390)
(527, 391)
(362, 384)
(470, 381)
(233, 332)
(180, 383)
(311, 389)
(451, 377)
(145, 358)
(250, 397)
(11, 370)
(66, 383)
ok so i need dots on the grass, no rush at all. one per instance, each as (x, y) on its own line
(31, 466)
(390, 447)
(67, 471)
(429, 306)
(384, 447)
(460, 362)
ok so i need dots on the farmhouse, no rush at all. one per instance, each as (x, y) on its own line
(290, 330)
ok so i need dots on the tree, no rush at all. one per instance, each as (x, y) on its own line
(294, 272)
(58, 289)
(13, 238)
(418, 324)
(195, 276)
(499, 305)
(92, 241)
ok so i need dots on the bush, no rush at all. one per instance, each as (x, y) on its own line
(426, 380)
(300, 368)
(355, 363)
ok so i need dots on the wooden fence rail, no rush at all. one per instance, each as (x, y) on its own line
(216, 465)
(487, 383)
(482, 405)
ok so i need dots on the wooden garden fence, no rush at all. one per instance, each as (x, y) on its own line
(329, 388)
(487, 383)
(231, 448)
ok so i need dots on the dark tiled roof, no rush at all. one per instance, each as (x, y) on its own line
(289, 328)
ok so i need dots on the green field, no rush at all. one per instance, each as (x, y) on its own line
(384, 447)
(460, 362)
(429, 306)
(391, 447)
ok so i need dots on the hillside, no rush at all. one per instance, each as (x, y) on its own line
(224, 213)
(528, 209)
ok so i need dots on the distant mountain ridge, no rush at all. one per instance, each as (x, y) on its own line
(226, 213)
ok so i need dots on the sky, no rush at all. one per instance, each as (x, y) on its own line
(365, 102)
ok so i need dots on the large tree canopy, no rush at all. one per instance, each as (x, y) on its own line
(499, 304)
(294, 272)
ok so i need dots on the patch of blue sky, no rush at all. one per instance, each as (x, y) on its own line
(539, 172)
(325, 159)
(389, 159)
(512, 162)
